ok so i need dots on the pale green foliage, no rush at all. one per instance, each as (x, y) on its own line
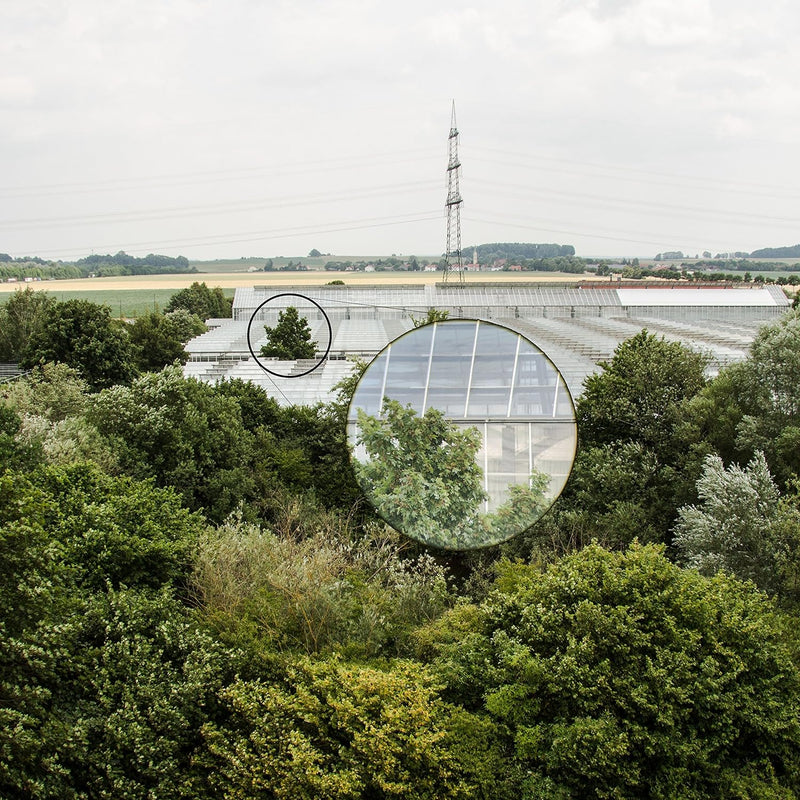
(51, 401)
(67, 441)
(423, 477)
(339, 732)
(51, 390)
(740, 525)
(313, 588)
(525, 504)
(433, 315)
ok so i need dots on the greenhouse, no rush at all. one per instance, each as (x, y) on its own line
(575, 326)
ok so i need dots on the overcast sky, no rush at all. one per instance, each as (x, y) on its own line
(267, 128)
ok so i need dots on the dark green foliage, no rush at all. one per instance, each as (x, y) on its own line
(490, 252)
(637, 395)
(777, 252)
(633, 468)
(621, 675)
(103, 690)
(755, 405)
(302, 448)
(201, 301)
(108, 530)
(123, 264)
(13, 455)
(21, 315)
(158, 339)
(182, 433)
(117, 531)
(290, 338)
(84, 336)
(144, 680)
(123, 683)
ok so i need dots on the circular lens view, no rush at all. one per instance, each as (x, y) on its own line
(462, 434)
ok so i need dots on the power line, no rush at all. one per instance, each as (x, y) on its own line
(253, 172)
(254, 236)
(216, 208)
(627, 174)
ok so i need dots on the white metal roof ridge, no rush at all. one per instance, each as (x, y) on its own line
(699, 297)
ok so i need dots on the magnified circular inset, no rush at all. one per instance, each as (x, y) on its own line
(293, 335)
(462, 433)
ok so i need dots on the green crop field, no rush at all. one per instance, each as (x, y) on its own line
(126, 303)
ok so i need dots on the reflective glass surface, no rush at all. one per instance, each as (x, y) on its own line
(462, 433)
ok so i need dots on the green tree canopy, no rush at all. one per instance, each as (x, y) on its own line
(182, 433)
(290, 338)
(201, 301)
(770, 380)
(636, 396)
(23, 314)
(83, 335)
(755, 405)
(158, 339)
(621, 675)
(421, 474)
(633, 469)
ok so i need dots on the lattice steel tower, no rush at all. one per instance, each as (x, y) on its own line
(452, 256)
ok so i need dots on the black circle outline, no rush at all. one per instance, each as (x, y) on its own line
(322, 311)
(476, 547)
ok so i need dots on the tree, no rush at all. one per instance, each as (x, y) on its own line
(634, 469)
(422, 475)
(314, 253)
(755, 405)
(740, 525)
(84, 336)
(201, 301)
(621, 675)
(182, 433)
(336, 731)
(51, 390)
(290, 339)
(106, 678)
(23, 314)
(637, 394)
(159, 339)
(771, 396)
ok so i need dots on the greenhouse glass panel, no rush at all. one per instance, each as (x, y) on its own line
(467, 455)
